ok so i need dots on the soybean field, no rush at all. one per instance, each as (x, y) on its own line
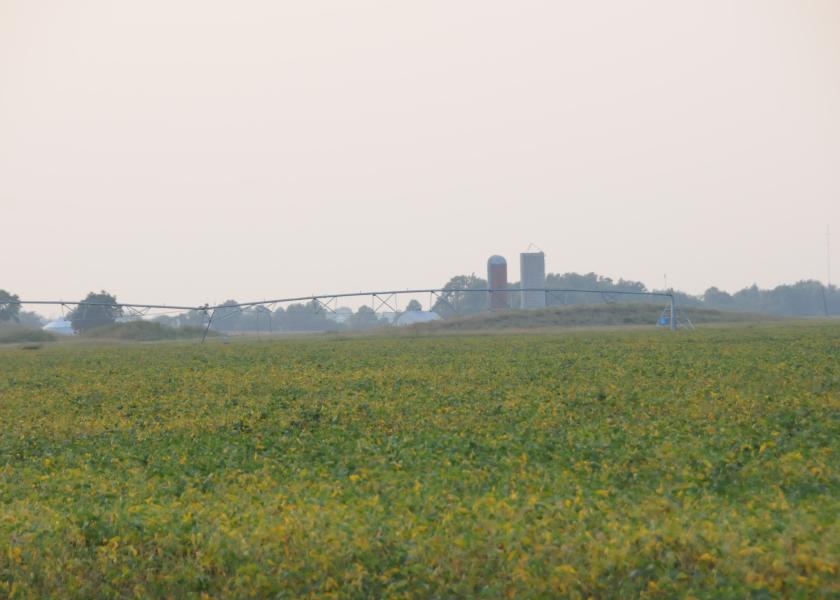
(553, 464)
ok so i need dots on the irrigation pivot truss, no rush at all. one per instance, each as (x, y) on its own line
(129, 305)
(384, 299)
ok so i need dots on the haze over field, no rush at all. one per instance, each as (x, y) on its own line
(196, 151)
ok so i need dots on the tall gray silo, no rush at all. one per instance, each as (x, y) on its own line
(532, 275)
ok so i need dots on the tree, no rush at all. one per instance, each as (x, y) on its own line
(259, 318)
(248, 318)
(588, 281)
(458, 302)
(191, 318)
(9, 308)
(365, 318)
(226, 316)
(304, 317)
(716, 298)
(801, 298)
(95, 310)
(748, 299)
(414, 305)
(30, 319)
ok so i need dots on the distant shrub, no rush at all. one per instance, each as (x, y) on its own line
(144, 331)
(18, 335)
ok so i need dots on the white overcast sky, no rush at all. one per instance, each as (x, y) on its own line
(191, 151)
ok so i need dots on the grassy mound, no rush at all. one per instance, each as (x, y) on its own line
(143, 331)
(594, 315)
(16, 334)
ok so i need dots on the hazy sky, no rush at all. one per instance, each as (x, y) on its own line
(192, 151)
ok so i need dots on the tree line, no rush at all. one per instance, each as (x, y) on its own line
(309, 316)
(804, 298)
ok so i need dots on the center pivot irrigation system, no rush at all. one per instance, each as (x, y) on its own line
(385, 299)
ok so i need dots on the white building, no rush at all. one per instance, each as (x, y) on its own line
(59, 326)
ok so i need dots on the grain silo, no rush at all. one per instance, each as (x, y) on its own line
(497, 282)
(532, 273)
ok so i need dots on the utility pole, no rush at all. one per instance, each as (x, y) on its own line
(828, 255)
(673, 311)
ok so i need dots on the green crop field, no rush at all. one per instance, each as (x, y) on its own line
(603, 464)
